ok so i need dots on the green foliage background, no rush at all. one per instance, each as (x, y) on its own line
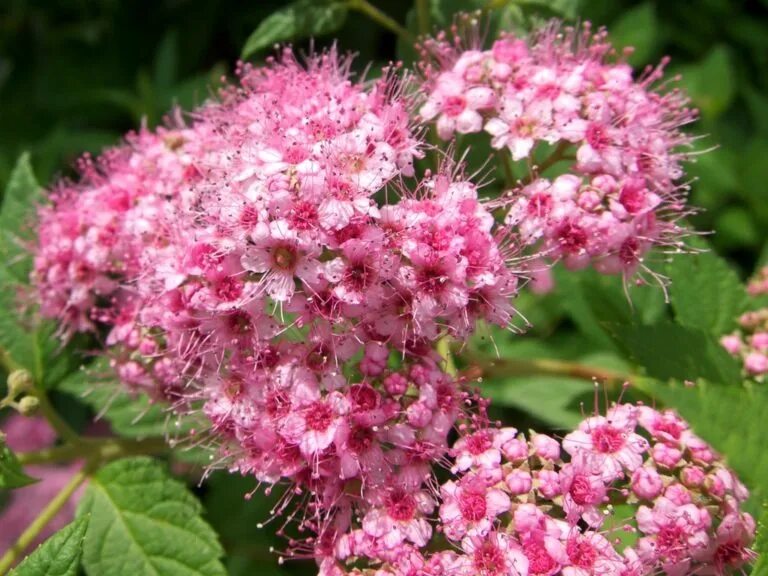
(76, 74)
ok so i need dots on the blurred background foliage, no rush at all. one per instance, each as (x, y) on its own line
(76, 74)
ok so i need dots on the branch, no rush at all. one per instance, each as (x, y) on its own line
(384, 20)
(48, 513)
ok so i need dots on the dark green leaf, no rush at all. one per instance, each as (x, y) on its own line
(637, 28)
(21, 194)
(59, 555)
(711, 82)
(300, 19)
(670, 351)
(11, 473)
(145, 522)
(705, 292)
(129, 415)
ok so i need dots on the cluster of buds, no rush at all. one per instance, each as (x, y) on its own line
(750, 342)
(631, 493)
(616, 140)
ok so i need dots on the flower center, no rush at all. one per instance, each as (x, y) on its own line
(607, 439)
(319, 417)
(454, 105)
(472, 506)
(539, 560)
(581, 553)
(581, 490)
(400, 505)
(284, 257)
(489, 560)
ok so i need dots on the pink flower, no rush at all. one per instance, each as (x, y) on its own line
(470, 507)
(610, 440)
(400, 517)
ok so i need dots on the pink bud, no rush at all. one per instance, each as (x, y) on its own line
(519, 482)
(646, 483)
(665, 455)
(692, 476)
(548, 483)
(546, 447)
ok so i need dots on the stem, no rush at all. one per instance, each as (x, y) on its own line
(522, 367)
(95, 450)
(7, 362)
(384, 20)
(444, 349)
(422, 16)
(554, 158)
(57, 422)
(48, 513)
(509, 175)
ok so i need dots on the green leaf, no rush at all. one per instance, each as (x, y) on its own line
(21, 194)
(761, 545)
(670, 351)
(711, 83)
(11, 473)
(59, 555)
(637, 28)
(706, 292)
(300, 19)
(552, 399)
(145, 522)
(129, 415)
(732, 419)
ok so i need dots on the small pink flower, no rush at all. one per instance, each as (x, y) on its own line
(470, 507)
(610, 440)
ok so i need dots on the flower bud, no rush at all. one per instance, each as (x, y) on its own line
(28, 405)
(19, 382)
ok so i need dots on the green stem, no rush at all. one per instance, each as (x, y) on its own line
(7, 362)
(422, 16)
(384, 20)
(61, 427)
(97, 450)
(42, 520)
(538, 366)
(444, 349)
(554, 158)
(509, 175)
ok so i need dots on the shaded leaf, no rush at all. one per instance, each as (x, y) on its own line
(637, 28)
(145, 522)
(670, 351)
(706, 292)
(21, 193)
(300, 19)
(11, 473)
(59, 555)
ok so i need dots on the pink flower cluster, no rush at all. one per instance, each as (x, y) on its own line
(270, 265)
(750, 342)
(615, 139)
(634, 492)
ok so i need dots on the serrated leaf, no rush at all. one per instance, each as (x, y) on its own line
(59, 555)
(732, 419)
(21, 193)
(11, 473)
(129, 415)
(300, 19)
(145, 522)
(706, 292)
(670, 351)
